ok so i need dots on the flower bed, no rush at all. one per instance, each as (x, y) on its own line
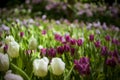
(33, 49)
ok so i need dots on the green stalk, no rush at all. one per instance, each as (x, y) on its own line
(68, 75)
(21, 71)
(105, 68)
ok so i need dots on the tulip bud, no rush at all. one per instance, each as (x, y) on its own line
(43, 51)
(91, 37)
(80, 42)
(10, 76)
(40, 47)
(111, 62)
(13, 49)
(107, 37)
(40, 67)
(9, 39)
(52, 52)
(97, 44)
(4, 62)
(21, 34)
(32, 43)
(57, 66)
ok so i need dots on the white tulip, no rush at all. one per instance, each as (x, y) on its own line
(57, 66)
(40, 47)
(45, 59)
(13, 49)
(9, 39)
(4, 62)
(32, 43)
(40, 67)
(10, 76)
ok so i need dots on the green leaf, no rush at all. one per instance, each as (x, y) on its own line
(68, 75)
(21, 72)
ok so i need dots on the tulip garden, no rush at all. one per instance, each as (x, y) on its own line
(46, 49)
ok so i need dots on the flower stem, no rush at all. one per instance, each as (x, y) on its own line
(21, 71)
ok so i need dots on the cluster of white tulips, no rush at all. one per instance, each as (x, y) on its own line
(40, 66)
(12, 52)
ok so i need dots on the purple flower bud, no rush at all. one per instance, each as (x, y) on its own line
(82, 66)
(58, 37)
(115, 41)
(60, 49)
(84, 60)
(76, 62)
(79, 42)
(5, 48)
(67, 38)
(29, 52)
(91, 37)
(107, 38)
(72, 51)
(66, 47)
(114, 53)
(104, 51)
(43, 32)
(111, 62)
(84, 69)
(52, 52)
(63, 41)
(43, 51)
(72, 41)
(21, 34)
(97, 44)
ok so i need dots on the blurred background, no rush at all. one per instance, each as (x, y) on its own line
(74, 10)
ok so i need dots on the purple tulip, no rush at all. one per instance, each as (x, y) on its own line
(97, 44)
(76, 62)
(114, 54)
(111, 62)
(84, 60)
(67, 38)
(63, 41)
(79, 42)
(52, 52)
(43, 32)
(91, 37)
(82, 66)
(104, 51)
(84, 69)
(58, 37)
(5, 48)
(72, 41)
(107, 38)
(29, 52)
(115, 41)
(60, 49)
(21, 34)
(66, 47)
(72, 51)
(43, 51)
